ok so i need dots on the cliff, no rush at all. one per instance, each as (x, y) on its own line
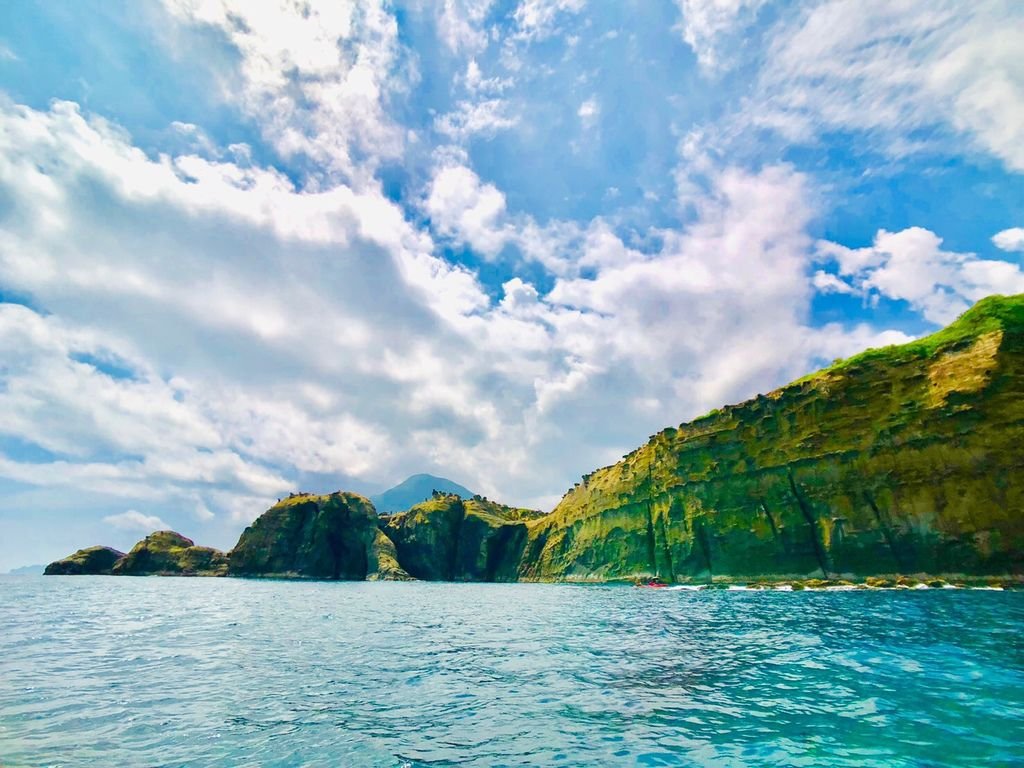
(448, 538)
(91, 561)
(899, 460)
(169, 553)
(334, 536)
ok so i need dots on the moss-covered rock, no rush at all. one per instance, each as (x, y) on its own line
(166, 553)
(448, 538)
(384, 554)
(91, 561)
(312, 536)
(900, 460)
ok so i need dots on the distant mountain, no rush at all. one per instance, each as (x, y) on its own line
(413, 490)
(27, 570)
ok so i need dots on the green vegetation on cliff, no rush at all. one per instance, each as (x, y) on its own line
(334, 536)
(91, 561)
(900, 460)
(452, 539)
(170, 553)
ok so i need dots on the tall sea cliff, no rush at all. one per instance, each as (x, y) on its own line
(906, 459)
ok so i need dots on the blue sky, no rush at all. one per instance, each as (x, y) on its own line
(247, 248)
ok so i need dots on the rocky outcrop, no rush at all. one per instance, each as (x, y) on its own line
(311, 536)
(384, 554)
(91, 561)
(166, 553)
(452, 539)
(900, 460)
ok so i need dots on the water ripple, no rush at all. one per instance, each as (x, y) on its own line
(213, 672)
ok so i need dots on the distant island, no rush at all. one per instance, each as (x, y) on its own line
(27, 570)
(897, 467)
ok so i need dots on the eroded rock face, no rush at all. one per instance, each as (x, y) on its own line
(91, 561)
(452, 539)
(332, 536)
(900, 460)
(169, 553)
(384, 554)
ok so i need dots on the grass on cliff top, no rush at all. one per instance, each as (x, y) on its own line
(477, 505)
(295, 499)
(164, 540)
(994, 313)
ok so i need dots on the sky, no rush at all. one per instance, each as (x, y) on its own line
(248, 248)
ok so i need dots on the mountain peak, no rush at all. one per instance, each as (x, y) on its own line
(414, 489)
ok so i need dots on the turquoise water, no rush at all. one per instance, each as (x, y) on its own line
(98, 671)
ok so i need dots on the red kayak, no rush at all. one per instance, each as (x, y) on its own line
(652, 584)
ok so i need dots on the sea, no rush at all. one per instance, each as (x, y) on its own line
(120, 671)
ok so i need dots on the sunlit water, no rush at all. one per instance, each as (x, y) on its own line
(102, 671)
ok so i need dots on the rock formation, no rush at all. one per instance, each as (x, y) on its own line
(452, 539)
(169, 553)
(91, 561)
(335, 536)
(900, 460)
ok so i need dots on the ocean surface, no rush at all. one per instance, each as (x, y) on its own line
(105, 671)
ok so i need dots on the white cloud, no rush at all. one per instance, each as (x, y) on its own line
(293, 299)
(316, 75)
(272, 332)
(538, 19)
(912, 266)
(911, 74)
(476, 83)
(483, 118)
(589, 112)
(136, 521)
(459, 24)
(1010, 239)
(707, 23)
(464, 208)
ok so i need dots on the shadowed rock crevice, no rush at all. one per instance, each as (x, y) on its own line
(814, 529)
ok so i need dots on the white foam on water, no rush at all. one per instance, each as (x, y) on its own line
(784, 588)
